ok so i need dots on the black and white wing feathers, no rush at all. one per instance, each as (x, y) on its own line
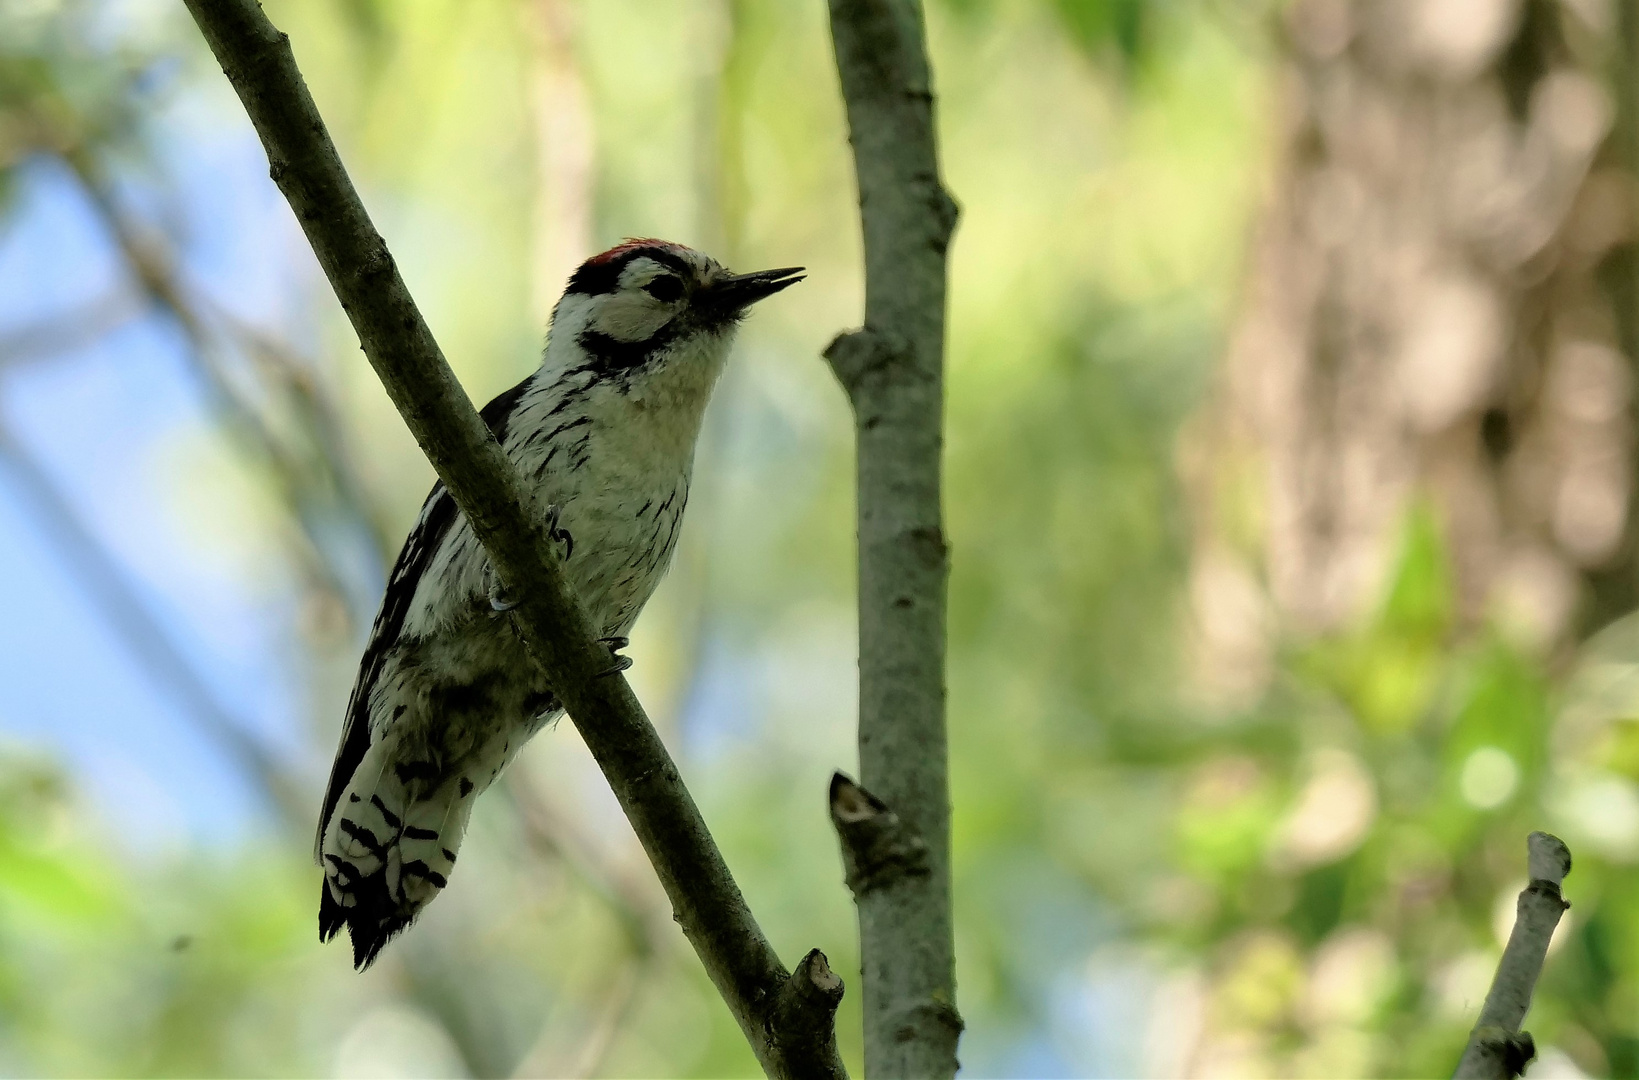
(438, 517)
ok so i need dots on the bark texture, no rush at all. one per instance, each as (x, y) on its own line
(1426, 317)
(892, 370)
(707, 903)
(1498, 1049)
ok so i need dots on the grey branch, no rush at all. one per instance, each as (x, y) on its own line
(893, 372)
(706, 902)
(1497, 1048)
(803, 1019)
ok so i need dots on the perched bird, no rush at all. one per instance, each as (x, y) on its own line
(602, 435)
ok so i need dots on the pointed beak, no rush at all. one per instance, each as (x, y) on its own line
(733, 294)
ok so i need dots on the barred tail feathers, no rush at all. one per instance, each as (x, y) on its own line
(389, 846)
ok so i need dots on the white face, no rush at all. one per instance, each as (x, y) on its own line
(649, 296)
(649, 313)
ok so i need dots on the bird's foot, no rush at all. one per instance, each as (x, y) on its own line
(621, 663)
(553, 513)
(499, 601)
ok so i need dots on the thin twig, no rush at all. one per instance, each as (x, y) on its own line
(707, 903)
(1497, 1048)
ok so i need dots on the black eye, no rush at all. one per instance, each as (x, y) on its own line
(664, 288)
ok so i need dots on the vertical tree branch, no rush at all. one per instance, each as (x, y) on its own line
(1497, 1048)
(706, 901)
(892, 370)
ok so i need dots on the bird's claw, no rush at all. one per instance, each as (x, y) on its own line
(499, 601)
(614, 645)
(621, 664)
(553, 513)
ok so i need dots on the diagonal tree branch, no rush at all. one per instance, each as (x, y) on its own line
(1497, 1048)
(317, 488)
(112, 589)
(76, 328)
(707, 903)
(893, 372)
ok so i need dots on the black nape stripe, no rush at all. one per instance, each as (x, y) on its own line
(420, 834)
(466, 787)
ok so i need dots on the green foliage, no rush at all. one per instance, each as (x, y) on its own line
(1100, 28)
(1097, 23)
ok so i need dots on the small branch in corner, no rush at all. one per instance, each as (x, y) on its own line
(1497, 1048)
(802, 1022)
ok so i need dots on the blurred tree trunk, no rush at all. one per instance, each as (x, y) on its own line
(1616, 587)
(1435, 309)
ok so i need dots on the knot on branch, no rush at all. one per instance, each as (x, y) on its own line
(947, 211)
(878, 849)
(1548, 858)
(1502, 1053)
(858, 355)
(801, 1023)
(929, 546)
(936, 1019)
(378, 262)
(1544, 891)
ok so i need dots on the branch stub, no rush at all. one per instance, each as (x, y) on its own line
(878, 848)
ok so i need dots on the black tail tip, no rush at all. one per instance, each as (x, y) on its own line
(369, 930)
(372, 920)
(366, 947)
(332, 916)
(370, 937)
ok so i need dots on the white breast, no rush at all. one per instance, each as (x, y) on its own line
(616, 460)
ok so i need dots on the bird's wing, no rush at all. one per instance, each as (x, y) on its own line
(438, 515)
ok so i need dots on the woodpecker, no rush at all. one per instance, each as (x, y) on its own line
(602, 435)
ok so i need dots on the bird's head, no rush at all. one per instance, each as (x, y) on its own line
(646, 305)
